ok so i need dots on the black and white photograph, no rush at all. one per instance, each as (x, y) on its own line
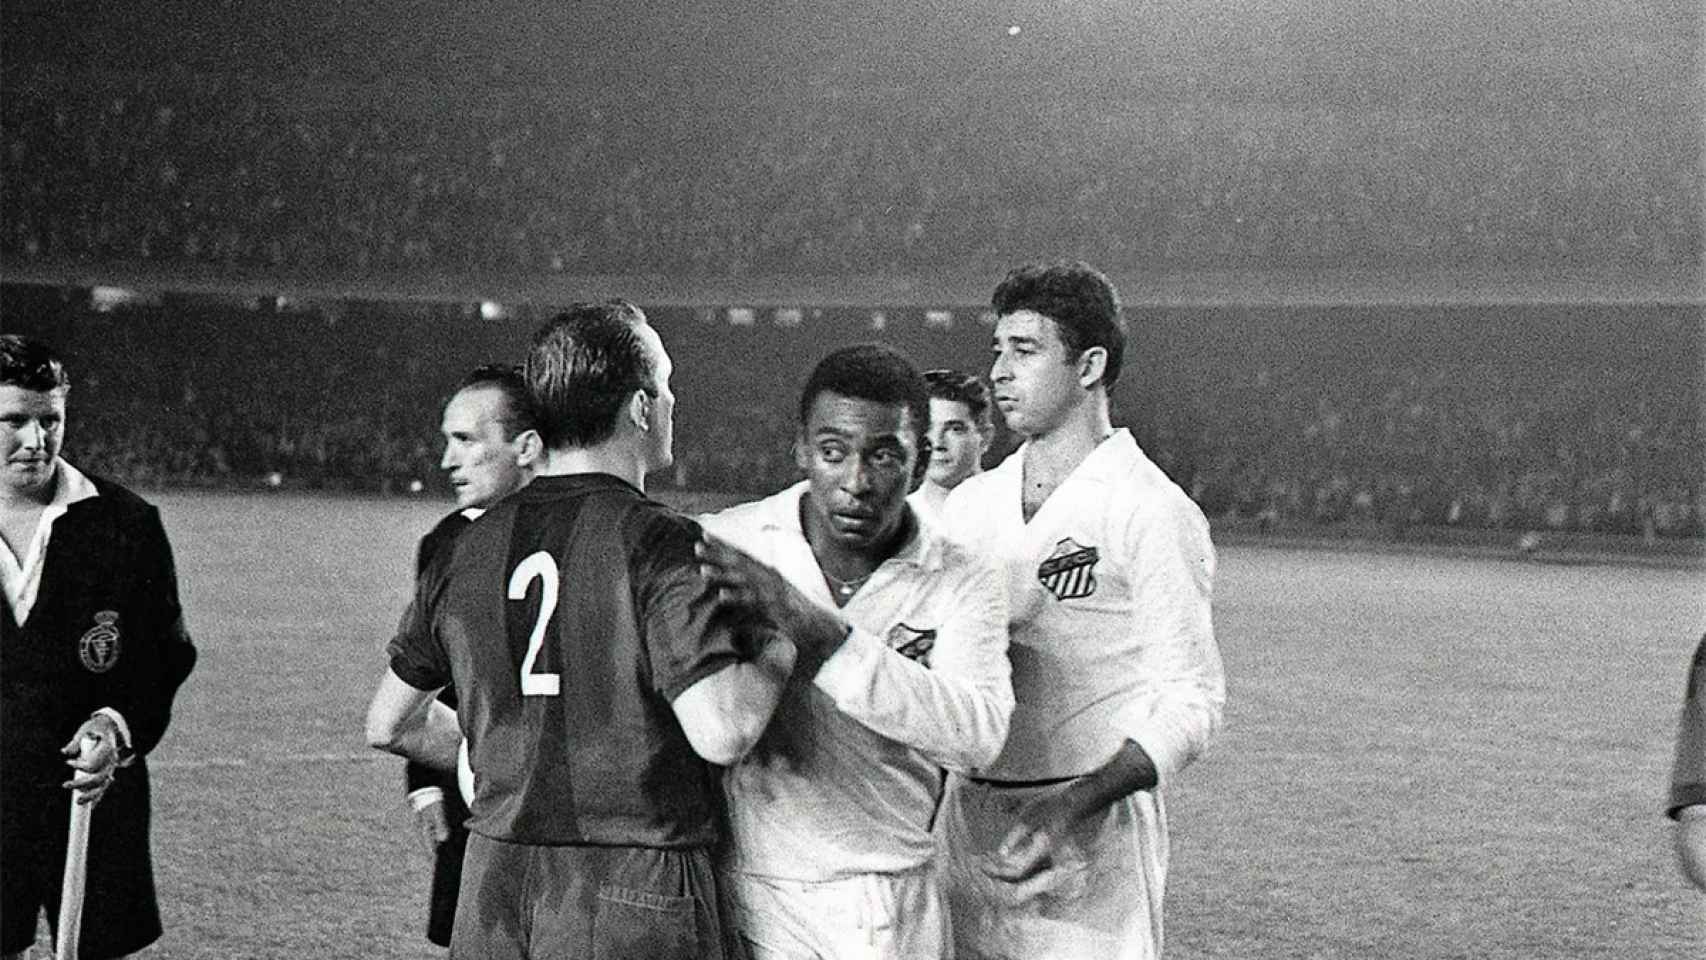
(832, 480)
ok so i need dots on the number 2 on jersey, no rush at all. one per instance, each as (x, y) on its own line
(538, 565)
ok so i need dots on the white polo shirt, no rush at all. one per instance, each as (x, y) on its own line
(847, 777)
(1109, 589)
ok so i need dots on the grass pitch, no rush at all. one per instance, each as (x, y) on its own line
(1424, 757)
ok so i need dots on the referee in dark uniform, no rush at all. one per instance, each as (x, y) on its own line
(92, 645)
(491, 447)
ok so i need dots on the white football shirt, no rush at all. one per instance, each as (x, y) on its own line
(847, 777)
(1109, 588)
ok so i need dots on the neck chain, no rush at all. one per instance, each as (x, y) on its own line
(844, 589)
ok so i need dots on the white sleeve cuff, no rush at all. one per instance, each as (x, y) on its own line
(424, 797)
(124, 739)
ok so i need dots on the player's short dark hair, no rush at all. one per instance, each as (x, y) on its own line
(31, 364)
(962, 388)
(507, 379)
(582, 367)
(1080, 300)
(875, 372)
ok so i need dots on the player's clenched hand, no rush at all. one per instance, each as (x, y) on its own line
(93, 757)
(746, 584)
(1042, 853)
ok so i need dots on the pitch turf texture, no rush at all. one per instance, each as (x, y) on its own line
(1424, 756)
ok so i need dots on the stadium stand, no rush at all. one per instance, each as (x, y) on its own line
(354, 189)
(1519, 418)
(177, 168)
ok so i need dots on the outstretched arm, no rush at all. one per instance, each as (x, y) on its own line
(954, 711)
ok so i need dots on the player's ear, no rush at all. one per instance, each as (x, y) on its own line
(529, 448)
(640, 411)
(802, 453)
(1092, 363)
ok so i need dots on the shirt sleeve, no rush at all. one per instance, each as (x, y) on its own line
(1688, 773)
(415, 653)
(1180, 679)
(687, 638)
(956, 710)
(146, 705)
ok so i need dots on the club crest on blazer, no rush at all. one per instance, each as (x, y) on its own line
(100, 645)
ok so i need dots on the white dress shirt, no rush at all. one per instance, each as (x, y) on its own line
(21, 579)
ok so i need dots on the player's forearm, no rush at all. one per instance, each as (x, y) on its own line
(409, 722)
(725, 714)
(433, 742)
(958, 720)
(761, 683)
(1177, 723)
(1129, 770)
(1176, 710)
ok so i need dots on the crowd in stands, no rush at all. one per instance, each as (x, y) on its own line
(1413, 447)
(1326, 433)
(180, 169)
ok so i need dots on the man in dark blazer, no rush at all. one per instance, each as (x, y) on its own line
(92, 648)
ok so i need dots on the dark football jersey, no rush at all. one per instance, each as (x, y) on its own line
(438, 541)
(568, 618)
(1688, 772)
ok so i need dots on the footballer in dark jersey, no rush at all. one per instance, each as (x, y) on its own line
(599, 683)
(491, 447)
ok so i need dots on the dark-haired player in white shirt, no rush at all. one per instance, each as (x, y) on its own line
(1058, 849)
(831, 854)
(961, 431)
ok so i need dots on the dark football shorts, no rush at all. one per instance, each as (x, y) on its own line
(605, 903)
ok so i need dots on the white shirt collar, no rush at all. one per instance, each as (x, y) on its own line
(1114, 448)
(71, 486)
(21, 578)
